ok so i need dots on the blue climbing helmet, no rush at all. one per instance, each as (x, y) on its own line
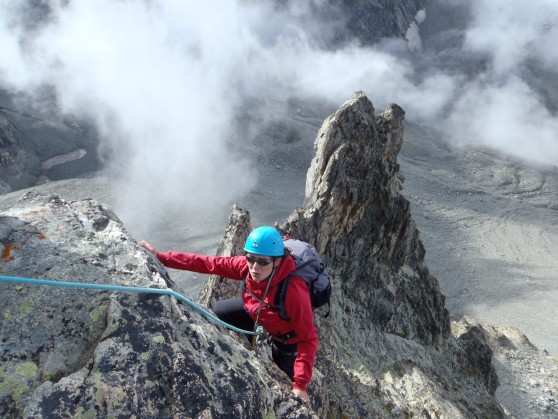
(265, 241)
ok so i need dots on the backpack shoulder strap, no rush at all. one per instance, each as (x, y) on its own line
(281, 296)
(243, 284)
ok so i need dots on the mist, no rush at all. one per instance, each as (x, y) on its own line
(164, 83)
(511, 102)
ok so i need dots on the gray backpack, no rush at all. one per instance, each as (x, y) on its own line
(309, 266)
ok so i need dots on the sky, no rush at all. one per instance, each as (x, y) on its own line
(165, 81)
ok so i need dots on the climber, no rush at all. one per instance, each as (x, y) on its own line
(265, 264)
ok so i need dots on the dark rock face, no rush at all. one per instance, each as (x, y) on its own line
(385, 350)
(36, 148)
(14, 160)
(368, 21)
(478, 362)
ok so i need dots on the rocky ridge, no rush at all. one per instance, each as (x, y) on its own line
(84, 353)
(527, 376)
(386, 349)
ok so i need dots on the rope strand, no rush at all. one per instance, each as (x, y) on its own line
(120, 288)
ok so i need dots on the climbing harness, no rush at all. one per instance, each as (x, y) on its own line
(258, 334)
(260, 339)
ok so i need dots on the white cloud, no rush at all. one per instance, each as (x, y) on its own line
(156, 78)
(512, 32)
(164, 81)
(501, 109)
(507, 117)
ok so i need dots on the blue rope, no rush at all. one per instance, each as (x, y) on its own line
(125, 289)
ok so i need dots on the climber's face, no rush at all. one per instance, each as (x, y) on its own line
(260, 267)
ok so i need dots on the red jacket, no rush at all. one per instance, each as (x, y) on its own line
(297, 303)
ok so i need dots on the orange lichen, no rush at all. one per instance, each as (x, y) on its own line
(37, 211)
(41, 236)
(6, 252)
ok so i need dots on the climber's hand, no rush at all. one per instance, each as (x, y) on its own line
(302, 394)
(148, 246)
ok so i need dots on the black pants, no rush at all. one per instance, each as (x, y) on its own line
(232, 311)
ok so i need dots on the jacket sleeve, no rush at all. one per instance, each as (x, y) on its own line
(229, 267)
(299, 309)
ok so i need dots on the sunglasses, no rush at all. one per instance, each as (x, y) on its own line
(262, 262)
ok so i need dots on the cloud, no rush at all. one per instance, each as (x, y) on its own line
(165, 82)
(156, 78)
(505, 106)
(511, 33)
(508, 117)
